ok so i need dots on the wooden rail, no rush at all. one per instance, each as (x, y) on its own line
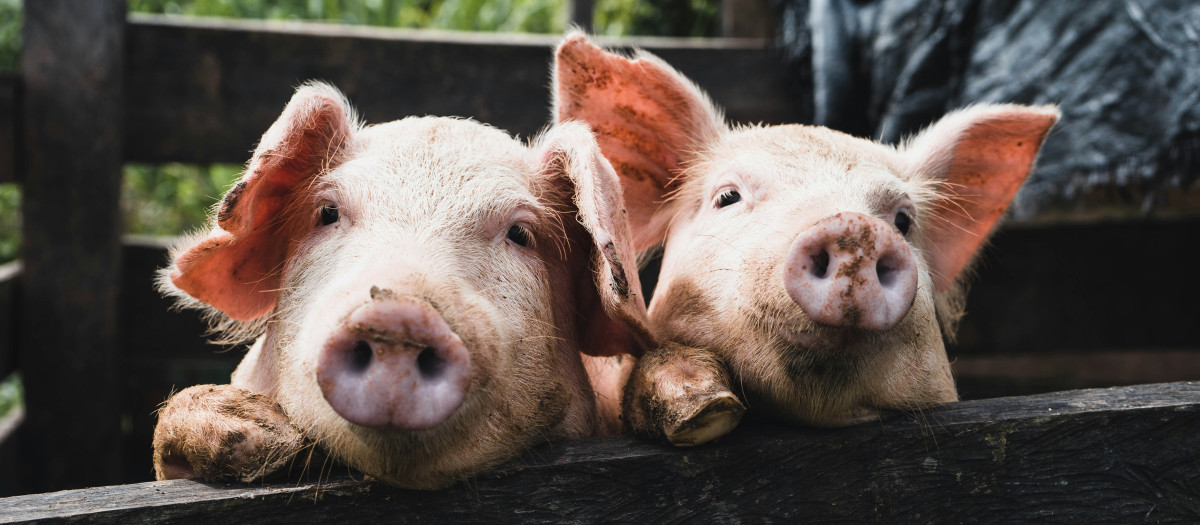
(10, 110)
(10, 273)
(205, 90)
(1118, 455)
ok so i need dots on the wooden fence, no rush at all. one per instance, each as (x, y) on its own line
(98, 348)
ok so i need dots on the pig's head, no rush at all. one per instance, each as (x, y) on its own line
(421, 289)
(816, 264)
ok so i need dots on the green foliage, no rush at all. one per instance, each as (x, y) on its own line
(172, 198)
(537, 16)
(10, 221)
(11, 393)
(10, 34)
(694, 18)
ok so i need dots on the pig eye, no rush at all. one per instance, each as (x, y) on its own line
(903, 222)
(329, 214)
(728, 197)
(519, 235)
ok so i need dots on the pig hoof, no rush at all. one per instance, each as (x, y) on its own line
(712, 419)
(220, 433)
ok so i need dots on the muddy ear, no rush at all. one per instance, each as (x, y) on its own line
(236, 266)
(649, 121)
(981, 155)
(612, 309)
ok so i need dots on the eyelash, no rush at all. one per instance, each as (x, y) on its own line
(903, 222)
(727, 197)
(329, 214)
(519, 235)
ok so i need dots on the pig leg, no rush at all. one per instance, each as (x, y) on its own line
(222, 432)
(681, 394)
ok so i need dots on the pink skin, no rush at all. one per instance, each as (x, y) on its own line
(423, 294)
(851, 270)
(394, 362)
(820, 269)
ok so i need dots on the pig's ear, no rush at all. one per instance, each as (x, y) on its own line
(236, 266)
(611, 308)
(980, 155)
(648, 118)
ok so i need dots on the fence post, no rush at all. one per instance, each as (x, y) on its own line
(582, 13)
(747, 19)
(72, 63)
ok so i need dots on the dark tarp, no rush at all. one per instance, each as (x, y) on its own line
(1126, 75)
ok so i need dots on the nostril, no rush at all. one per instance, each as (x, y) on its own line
(886, 272)
(820, 264)
(360, 356)
(429, 363)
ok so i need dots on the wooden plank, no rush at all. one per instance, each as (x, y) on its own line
(10, 275)
(10, 107)
(747, 19)
(1084, 287)
(73, 72)
(10, 475)
(582, 14)
(1115, 455)
(206, 90)
(984, 376)
(150, 325)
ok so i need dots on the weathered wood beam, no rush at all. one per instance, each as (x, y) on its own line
(72, 103)
(1086, 456)
(1054, 288)
(205, 90)
(10, 473)
(582, 14)
(10, 275)
(747, 18)
(151, 328)
(995, 375)
(10, 107)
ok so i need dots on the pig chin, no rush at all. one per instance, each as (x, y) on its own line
(835, 376)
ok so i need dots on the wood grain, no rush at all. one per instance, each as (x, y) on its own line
(10, 106)
(10, 276)
(1114, 455)
(68, 350)
(205, 90)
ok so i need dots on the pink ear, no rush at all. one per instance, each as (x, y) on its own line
(614, 312)
(649, 121)
(236, 267)
(983, 154)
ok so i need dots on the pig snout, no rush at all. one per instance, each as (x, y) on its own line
(394, 362)
(852, 270)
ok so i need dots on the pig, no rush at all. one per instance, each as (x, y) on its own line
(805, 273)
(427, 298)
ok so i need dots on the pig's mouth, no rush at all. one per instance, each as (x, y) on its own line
(805, 337)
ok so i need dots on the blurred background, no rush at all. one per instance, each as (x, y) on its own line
(1091, 283)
